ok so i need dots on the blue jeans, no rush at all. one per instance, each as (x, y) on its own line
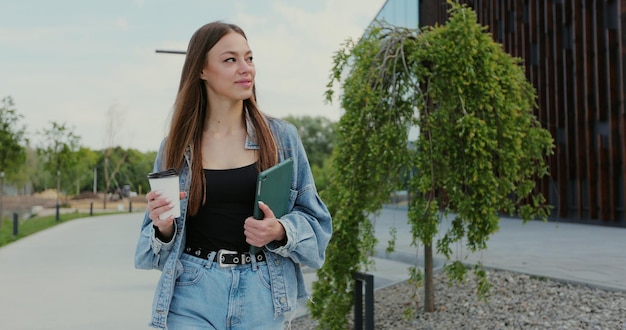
(207, 296)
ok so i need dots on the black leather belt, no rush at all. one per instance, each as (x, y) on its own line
(226, 258)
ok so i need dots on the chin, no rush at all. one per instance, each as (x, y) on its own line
(245, 96)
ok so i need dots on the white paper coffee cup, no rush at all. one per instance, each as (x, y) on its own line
(167, 183)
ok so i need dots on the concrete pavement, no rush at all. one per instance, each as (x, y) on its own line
(76, 275)
(578, 253)
(80, 274)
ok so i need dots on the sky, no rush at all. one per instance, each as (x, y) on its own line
(89, 64)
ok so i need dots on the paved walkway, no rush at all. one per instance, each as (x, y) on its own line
(76, 275)
(585, 254)
(80, 274)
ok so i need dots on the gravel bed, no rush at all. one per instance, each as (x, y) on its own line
(515, 301)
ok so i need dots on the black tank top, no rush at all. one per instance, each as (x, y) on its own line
(229, 201)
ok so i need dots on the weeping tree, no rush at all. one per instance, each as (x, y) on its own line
(370, 150)
(479, 153)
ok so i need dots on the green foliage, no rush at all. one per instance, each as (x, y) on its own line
(391, 244)
(12, 152)
(34, 171)
(317, 135)
(481, 148)
(456, 272)
(318, 139)
(82, 172)
(416, 278)
(135, 170)
(12, 139)
(371, 148)
(59, 153)
(482, 283)
(321, 175)
(479, 152)
(130, 167)
(538, 278)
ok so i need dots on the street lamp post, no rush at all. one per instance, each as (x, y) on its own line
(164, 51)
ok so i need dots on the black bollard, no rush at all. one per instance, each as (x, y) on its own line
(15, 224)
(91, 209)
(363, 280)
(57, 214)
(130, 206)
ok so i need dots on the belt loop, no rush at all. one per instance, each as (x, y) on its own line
(255, 265)
(211, 258)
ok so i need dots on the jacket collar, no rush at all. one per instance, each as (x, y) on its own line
(251, 141)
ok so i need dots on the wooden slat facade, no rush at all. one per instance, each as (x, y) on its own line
(573, 52)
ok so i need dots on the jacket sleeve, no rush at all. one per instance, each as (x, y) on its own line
(151, 252)
(308, 225)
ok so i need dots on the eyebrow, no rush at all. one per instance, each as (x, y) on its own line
(231, 52)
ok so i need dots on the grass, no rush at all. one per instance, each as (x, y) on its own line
(34, 225)
(538, 278)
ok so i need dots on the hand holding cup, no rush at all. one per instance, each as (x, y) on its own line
(164, 200)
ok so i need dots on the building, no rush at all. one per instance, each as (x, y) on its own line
(573, 54)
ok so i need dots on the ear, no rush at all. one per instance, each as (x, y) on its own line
(203, 75)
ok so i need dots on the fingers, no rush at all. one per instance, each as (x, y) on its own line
(262, 232)
(157, 206)
(255, 236)
(152, 195)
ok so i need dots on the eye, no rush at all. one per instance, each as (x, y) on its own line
(230, 59)
(250, 59)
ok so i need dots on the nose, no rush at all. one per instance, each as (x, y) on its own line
(245, 66)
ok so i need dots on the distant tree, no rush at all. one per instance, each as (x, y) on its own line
(318, 136)
(32, 172)
(135, 169)
(114, 158)
(12, 150)
(59, 153)
(112, 164)
(83, 171)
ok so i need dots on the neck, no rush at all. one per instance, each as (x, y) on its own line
(225, 118)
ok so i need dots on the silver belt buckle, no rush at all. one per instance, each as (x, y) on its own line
(220, 258)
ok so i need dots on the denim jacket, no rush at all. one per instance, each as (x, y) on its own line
(307, 225)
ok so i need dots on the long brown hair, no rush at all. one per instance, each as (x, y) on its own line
(190, 112)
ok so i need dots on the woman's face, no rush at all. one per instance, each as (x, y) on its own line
(229, 70)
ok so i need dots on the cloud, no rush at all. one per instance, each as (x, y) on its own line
(294, 51)
(121, 24)
(74, 67)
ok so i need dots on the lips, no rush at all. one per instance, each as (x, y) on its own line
(244, 82)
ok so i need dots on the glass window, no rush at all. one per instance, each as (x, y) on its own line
(400, 13)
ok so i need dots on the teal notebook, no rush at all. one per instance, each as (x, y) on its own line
(273, 188)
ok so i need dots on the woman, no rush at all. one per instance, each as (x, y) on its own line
(219, 141)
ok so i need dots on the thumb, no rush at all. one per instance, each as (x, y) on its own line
(267, 211)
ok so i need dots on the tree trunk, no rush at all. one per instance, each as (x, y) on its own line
(104, 199)
(429, 290)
